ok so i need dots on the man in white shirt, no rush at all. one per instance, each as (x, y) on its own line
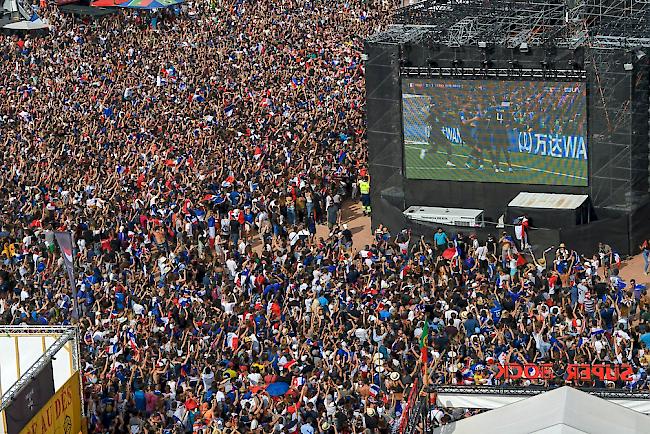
(207, 377)
(231, 264)
(303, 234)
(481, 256)
(582, 292)
(293, 236)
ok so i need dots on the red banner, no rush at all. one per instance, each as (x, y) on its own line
(410, 403)
(574, 372)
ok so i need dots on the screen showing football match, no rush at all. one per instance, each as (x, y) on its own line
(529, 132)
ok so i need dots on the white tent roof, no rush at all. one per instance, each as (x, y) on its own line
(560, 411)
(28, 25)
(20, 15)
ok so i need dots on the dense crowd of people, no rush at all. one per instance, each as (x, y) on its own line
(193, 156)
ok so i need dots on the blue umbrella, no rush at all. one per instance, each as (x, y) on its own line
(277, 389)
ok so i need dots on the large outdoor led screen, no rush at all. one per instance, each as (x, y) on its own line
(529, 132)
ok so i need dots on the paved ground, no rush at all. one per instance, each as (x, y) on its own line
(359, 225)
(352, 215)
(633, 269)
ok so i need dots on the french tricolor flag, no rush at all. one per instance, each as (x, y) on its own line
(404, 272)
(295, 82)
(132, 342)
(112, 349)
(297, 382)
(468, 375)
(229, 180)
(232, 340)
(266, 102)
(229, 110)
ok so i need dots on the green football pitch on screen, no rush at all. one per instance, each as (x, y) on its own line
(495, 131)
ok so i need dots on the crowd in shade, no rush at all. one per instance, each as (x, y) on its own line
(193, 157)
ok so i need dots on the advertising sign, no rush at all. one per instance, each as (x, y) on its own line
(30, 400)
(574, 372)
(61, 414)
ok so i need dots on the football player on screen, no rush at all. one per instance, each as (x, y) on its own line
(478, 124)
(469, 135)
(498, 123)
(436, 120)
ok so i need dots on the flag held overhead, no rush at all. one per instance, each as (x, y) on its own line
(64, 239)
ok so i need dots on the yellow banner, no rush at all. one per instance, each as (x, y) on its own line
(61, 414)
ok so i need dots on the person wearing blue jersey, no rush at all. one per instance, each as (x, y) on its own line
(436, 120)
(497, 124)
(469, 135)
(481, 126)
(518, 122)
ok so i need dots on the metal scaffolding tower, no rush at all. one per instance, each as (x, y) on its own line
(563, 23)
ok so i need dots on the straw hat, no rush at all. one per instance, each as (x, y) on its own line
(394, 376)
(370, 411)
